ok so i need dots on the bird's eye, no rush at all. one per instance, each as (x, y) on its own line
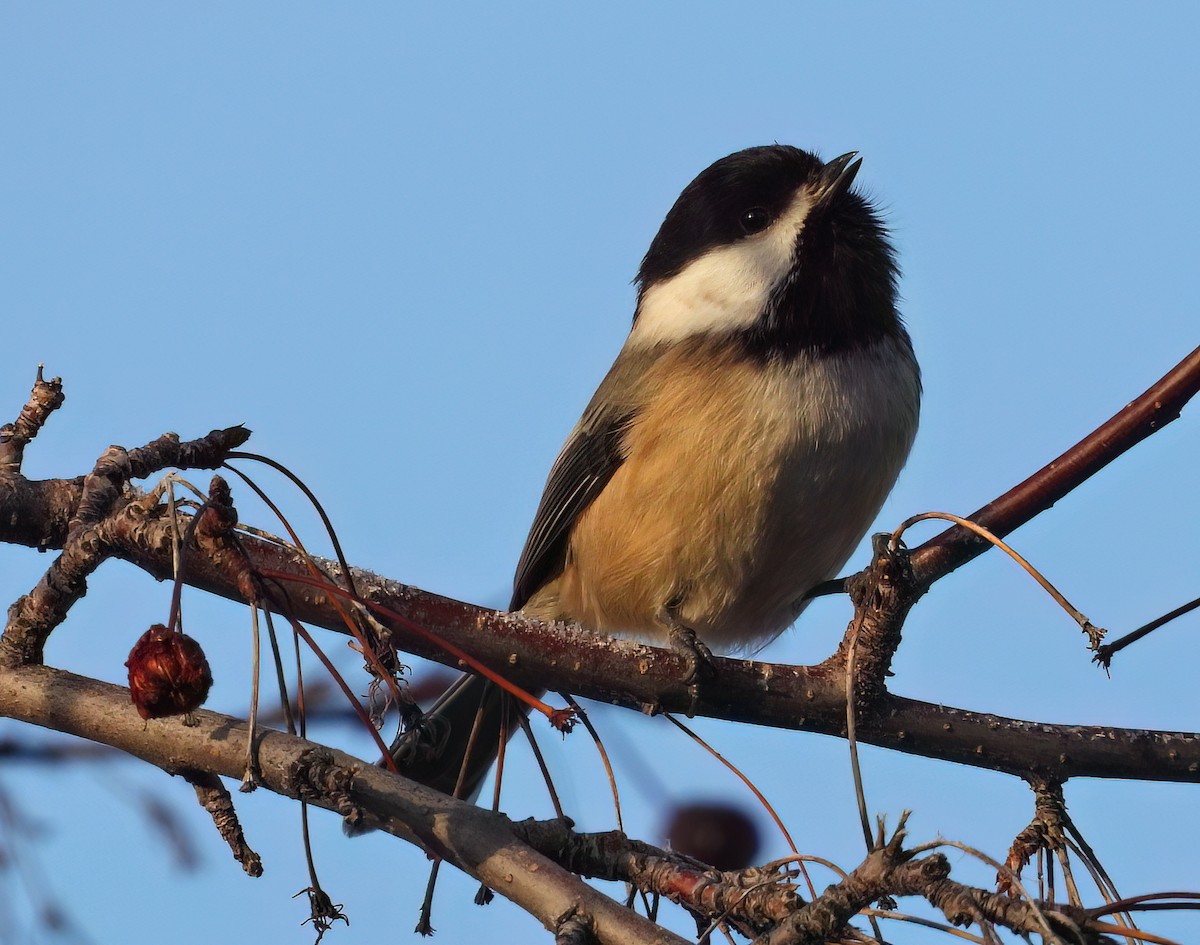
(755, 220)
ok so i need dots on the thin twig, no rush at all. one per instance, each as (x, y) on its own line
(928, 923)
(374, 659)
(852, 732)
(759, 796)
(280, 676)
(608, 768)
(1137, 934)
(1105, 653)
(1093, 633)
(313, 500)
(541, 763)
(250, 778)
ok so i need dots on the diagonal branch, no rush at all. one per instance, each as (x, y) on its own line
(642, 677)
(1146, 415)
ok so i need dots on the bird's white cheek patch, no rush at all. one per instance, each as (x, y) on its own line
(725, 289)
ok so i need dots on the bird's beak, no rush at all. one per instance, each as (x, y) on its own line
(836, 177)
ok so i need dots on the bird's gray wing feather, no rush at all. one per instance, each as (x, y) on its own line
(592, 453)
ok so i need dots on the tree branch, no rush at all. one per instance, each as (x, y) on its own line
(796, 697)
(477, 841)
(532, 863)
(45, 398)
(1147, 414)
(637, 676)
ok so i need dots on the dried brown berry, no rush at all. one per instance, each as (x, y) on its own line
(168, 674)
(717, 834)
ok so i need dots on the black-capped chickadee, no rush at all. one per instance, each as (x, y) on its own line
(742, 442)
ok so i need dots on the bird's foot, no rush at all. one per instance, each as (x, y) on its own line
(697, 658)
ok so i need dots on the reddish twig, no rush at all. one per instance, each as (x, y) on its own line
(559, 718)
(1147, 414)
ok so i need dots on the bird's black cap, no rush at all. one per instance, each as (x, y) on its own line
(840, 291)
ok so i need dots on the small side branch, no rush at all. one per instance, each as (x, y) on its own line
(889, 870)
(46, 397)
(33, 616)
(883, 595)
(1044, 833)
(963, 905)
(103, 510)
(38, 513)
(575, 928)
(216, 799)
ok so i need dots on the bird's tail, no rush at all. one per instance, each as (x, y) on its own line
(452, 747)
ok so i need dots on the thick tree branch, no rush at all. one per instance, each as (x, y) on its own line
(477, 841)
(804, 698)
(638, 676)
(532, 863)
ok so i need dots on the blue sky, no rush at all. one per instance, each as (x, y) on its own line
(397, 242)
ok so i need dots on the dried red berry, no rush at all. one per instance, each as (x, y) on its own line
(168, 674)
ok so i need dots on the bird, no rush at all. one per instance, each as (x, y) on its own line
(738, 449)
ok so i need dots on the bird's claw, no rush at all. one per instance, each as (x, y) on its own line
(697, 657)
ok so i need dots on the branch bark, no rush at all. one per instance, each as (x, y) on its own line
(101, 515)
(624, 673)
(804, 698)
(533, 863)
(477, 841)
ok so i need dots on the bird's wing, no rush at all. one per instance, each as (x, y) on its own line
(592, 453)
